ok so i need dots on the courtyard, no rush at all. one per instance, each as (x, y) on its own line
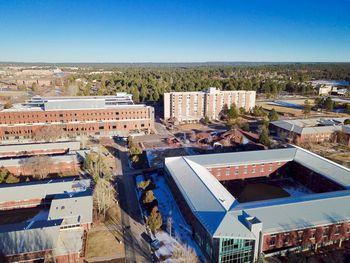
(264, 188)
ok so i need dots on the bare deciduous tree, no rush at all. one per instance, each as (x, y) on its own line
(96, 165)
(48, 133)
(104, 196)
(38, 166)
(184, 254)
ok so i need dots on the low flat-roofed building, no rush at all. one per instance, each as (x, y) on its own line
(228, 229)
(308, 130)
(29, 149)
(62, 216)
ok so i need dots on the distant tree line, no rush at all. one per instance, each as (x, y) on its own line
(149, 84)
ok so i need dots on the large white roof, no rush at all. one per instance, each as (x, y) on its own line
(219, 212)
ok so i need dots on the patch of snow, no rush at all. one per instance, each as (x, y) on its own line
(297, 190)
(180, 230)
(168, 245)
(42, 215)
(151, 155)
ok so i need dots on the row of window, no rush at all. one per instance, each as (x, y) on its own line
(125, 126)
(325, 233)
(245, 169)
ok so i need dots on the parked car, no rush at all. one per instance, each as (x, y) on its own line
(155, 244)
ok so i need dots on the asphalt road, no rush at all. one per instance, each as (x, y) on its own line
(136, 248)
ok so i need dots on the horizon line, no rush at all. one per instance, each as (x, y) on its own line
(172, 62)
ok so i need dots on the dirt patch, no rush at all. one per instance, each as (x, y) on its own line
(334, 151)
(101, 242)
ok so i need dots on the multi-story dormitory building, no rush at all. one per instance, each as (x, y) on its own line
(228, 230)
(45, 217)
(193, 106)
(100, 115)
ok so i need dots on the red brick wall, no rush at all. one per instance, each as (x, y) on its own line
(311, 236)
(20, 204)
(68, 258)
(109, 119)
(314, 181)
(299, 139)
(245, 171)
(34, 152)
(316, 137)
(61, 167)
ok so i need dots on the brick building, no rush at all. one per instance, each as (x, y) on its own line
(229, 230)
(193, 106)
(45, 217)
(74, 116)
(308, 130)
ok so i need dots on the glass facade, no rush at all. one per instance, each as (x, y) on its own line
(236, 250)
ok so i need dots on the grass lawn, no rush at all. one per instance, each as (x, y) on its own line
(103, 239)
(261, 191)
(102, 243)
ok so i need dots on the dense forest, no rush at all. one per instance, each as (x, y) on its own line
(148, 83)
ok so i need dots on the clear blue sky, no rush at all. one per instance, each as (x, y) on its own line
(174, 31)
